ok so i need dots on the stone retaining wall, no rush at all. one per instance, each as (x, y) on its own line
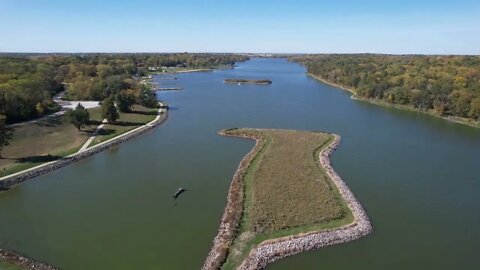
(51, 166)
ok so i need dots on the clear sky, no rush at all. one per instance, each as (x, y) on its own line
(299, 26)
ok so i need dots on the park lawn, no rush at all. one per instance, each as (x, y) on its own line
(286, 191)
(49, 139)
(139, 116)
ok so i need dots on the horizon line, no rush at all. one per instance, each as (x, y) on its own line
(219, 52)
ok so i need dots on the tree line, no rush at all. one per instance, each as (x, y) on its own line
(28, 82)
(445, 85)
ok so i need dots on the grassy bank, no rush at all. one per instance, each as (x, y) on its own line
(39, 142)
(52, 138)
(286, 191)
(139, 116)
(379, 102)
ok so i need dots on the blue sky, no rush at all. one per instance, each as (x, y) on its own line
(300, 26)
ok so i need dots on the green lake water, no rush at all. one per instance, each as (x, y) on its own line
(416, 175)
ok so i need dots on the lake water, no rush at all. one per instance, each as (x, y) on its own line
(417, 176)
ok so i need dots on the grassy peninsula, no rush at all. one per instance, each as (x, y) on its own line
(284, 190)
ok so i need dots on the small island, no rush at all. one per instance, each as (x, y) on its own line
(245, 81)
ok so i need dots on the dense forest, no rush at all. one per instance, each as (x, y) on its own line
(28, 82)
(444, 85)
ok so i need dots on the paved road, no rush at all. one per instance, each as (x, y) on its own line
(66, 105)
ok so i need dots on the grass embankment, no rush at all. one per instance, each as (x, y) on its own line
(52, 138)
(43, 141)
(139, 116)
(380, 102)
(286, 191)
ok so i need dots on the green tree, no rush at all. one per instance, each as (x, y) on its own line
(109, 111)
(78, 117)
(6, 133)
(125, 99)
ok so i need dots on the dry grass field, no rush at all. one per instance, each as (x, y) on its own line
(286, 190)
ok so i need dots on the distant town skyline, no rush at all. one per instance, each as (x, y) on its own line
(301, 26)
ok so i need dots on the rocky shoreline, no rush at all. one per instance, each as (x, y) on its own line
(24, 262)
(272, 250)
(8, 181)
(233, 210)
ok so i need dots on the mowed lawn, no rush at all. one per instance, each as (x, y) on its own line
(53, 138)
(42, 141)
(287, 191)
(138, 116)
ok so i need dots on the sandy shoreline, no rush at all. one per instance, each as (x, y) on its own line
(332, 84)
(274, 249)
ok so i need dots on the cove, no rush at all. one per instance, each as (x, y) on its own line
(416, 175)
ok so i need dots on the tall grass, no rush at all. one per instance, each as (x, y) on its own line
(286, 190)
